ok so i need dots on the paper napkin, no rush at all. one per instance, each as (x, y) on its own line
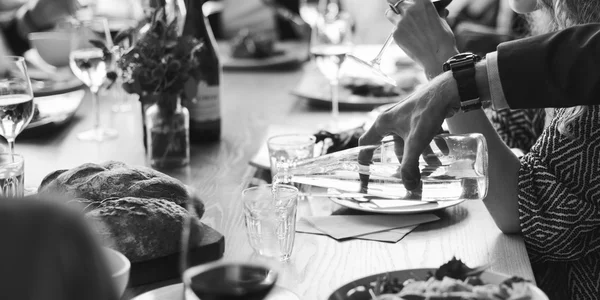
(346, 226)
(391, 236)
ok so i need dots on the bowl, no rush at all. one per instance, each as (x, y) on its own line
(119, 267)
(53, 47)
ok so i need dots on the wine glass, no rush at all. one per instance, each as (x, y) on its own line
(16, 99)
(309, 11)
(90, 59)
(331, 41)
(374, 65)
(221, 279)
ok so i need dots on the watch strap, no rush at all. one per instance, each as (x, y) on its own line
(467, 88)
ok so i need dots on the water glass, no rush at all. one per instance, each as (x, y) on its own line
(270, 215)
(289, 148)
(11, 175)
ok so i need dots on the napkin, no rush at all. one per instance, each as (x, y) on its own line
(346, 226)
(392, 236)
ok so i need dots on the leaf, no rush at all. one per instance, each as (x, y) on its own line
(99, 44)
(456, 269)
(124, 34)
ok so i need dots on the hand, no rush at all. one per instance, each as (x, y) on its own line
(423, 34)
(413, 123)
(46, 13)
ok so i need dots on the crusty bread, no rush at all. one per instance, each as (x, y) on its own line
(141, 229)
(136, 210)
(113, 180)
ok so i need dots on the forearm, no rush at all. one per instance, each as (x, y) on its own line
(503, 166)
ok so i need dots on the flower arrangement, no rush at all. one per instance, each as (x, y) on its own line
(161, 61)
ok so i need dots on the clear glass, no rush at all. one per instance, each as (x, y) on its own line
(271, 219)
(168, 135)
(453, 167)
(290, 148)
(222, 279)
(309, 11)
(16, 99)
(11, 175)
(331, 40)
(374, 65)
(90, 63)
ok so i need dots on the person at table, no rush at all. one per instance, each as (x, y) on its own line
(551, 194)
(33, 16)
(49, 253)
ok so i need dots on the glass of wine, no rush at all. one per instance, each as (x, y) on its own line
(331, 41)
(90, 59)
(221, 279)
(374, 65)
(16, 99)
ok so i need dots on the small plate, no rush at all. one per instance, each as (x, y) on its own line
(293, 55)
(403, 275)
(417, 208)
(175, 292)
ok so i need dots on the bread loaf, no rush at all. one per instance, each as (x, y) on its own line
(136, 210)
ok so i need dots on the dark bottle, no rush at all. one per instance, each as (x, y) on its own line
(204, 105)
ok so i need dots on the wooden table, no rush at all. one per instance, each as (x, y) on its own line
(219, 171)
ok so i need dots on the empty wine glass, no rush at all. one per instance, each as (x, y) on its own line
(90, 59)
(374, 65)
(16, 99)
(331, 41)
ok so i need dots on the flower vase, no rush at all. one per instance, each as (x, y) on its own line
(167, 125)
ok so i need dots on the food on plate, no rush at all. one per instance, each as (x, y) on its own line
(135, 210)
(452, 281)
(253, 45)
(368, 88)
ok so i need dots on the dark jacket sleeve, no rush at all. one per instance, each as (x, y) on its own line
(560, 69)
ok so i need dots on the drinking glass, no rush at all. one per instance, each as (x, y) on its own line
(222, 279)
(16, 99)
(309, 11)
(331, 40)
(90, 59)
(374, 65)
(11, 175)
(288, 148)
(270, 213)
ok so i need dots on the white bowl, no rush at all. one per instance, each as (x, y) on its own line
(53, 47)
(119, 267)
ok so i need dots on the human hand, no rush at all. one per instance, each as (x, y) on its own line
(46, 13)
(423, 34)
(413, 123)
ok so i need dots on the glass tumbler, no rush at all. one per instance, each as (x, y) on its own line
(11, 175)
(289, 148)
(270, 215)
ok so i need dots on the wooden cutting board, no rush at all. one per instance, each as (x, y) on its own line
(209, 246)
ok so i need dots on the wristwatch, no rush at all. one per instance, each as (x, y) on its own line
(463, 69)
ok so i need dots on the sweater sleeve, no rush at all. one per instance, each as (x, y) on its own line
(558, 69)
(559, 191)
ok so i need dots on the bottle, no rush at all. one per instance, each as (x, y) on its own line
(203, 96)
(453, 167)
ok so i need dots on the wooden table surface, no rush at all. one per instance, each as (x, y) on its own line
(319, 264)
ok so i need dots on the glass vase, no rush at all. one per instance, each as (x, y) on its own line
(167, 133)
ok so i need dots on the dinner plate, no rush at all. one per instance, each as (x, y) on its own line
(293, 54)
(401, 208)
(175, 292)
(343, 292)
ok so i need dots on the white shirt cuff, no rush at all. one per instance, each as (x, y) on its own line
(496, 91)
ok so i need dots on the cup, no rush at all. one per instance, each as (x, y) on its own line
(271, 219)
(289, 148)
(11, 175)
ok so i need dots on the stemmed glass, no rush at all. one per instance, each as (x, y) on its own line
(90, 59)
(222, 279)
(16, 99)
(331, 40)
(374, 65)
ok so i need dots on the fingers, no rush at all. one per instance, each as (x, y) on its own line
(411, 176)
(370, 137)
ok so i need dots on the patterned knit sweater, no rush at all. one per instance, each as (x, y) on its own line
(559, 205)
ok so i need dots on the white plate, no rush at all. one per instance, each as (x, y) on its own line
(402, 275)
(417, 207)
(175, 292)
